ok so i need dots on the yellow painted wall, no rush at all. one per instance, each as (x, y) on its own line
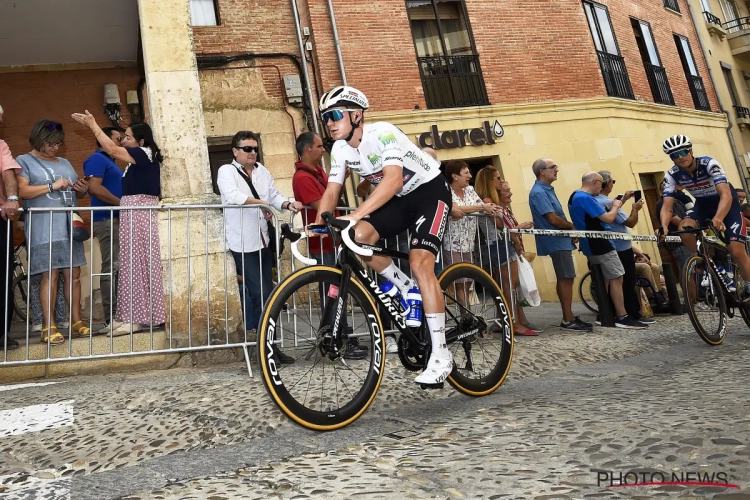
(621, 136)
(718, 44)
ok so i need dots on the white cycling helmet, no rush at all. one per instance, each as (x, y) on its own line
(676, 143)
(343, 96)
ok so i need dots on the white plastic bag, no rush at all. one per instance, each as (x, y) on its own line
(529, 292)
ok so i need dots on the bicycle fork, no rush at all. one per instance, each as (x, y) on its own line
(331, 320)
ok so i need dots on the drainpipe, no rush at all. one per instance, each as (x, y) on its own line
(718, 98)
(337, 42)
(308, 89)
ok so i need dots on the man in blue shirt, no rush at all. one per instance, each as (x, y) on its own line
(105, 187)
(588, 215)
(547, 213)
(624, 248)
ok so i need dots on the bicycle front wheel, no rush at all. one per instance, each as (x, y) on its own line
(479, 329)
(704, 297)
(587, 293)
(320, 390)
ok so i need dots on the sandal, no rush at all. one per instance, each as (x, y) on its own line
(80, 331)
(55, 337)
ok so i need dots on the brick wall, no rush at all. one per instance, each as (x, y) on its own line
(530, 50)
(664, 24)
(29, 97)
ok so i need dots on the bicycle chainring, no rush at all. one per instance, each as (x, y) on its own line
(410, 358)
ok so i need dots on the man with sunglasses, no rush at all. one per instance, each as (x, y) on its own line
(715, 200)
(410, 193)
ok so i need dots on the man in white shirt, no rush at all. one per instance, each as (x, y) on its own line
(247, 182)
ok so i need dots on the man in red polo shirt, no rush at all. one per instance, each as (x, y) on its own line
(309, 183)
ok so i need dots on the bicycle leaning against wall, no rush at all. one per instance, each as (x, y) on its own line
(324, 391)
(713, 286)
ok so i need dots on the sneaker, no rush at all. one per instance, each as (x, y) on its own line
(648, 321)
(706, 307)
(125, 329)
(12, 344)
(354, 350)
(598, 321)
(438, 369)
(36, 328)
(630, 323)
(391, 345)
(576, 325)
(103, 330)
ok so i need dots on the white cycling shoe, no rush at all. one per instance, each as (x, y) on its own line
(438, 369)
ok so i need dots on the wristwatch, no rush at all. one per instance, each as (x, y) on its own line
(12, 198)
(50, 187)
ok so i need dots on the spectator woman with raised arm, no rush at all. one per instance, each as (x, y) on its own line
(140, 290)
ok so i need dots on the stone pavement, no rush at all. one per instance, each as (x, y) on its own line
(573, 406)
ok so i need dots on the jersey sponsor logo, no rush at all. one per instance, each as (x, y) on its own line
(387, 138)
(351, 163)
(430, 244)
(438, 223)
(735, 227)
(414, 156)
(420, 221)
(716, 169)
(373, 158)
(374, 178)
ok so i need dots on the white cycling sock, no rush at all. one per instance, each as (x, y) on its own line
(436, 324)
(398, 278)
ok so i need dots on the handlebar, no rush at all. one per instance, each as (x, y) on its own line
(694, 230)
(332, 222)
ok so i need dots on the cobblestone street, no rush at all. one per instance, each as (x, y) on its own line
(577, 409)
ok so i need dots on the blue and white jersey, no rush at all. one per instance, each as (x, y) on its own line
(702, 185)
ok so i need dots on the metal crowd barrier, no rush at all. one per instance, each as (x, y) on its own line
(203, 307)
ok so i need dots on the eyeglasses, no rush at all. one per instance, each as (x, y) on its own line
(335, 115)
(549, 167)
(249, 149)
(55, 144)
(679, 154)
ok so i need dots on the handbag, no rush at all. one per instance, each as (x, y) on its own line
(527, 282)
(272, 240)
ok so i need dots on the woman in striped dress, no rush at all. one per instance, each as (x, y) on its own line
(140, 290)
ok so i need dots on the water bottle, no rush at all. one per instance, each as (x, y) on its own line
(414, 299)
(730, 276)
(391, 290)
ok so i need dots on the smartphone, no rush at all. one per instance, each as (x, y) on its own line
(87, 177)
(637, 196)
(619, 197)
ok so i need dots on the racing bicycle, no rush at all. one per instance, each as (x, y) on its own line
(319, 308)
(708, 296)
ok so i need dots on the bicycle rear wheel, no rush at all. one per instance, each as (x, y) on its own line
(479, 329)
(704, 297)
(587, 293)
(20, 295)
(319, 391)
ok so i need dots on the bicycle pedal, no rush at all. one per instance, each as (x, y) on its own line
(426, 387)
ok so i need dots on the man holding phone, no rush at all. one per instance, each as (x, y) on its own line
(624, 248)
(105, 187)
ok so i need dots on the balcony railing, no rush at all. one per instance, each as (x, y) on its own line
(734, 25)
(452, 81)
(742, 112)
(672, 5)
(657, 80)
(712, 19)
(615, 74)
(698, 91)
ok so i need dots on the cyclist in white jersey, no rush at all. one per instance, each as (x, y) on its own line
(715, 200)
(410, 193)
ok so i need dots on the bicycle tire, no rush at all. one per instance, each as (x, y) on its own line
(496, 374)
(717, 300)
(20, 287)
(274, 381)
(586, 293)
(741, 294)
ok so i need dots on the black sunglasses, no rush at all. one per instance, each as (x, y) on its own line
(249, 149)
